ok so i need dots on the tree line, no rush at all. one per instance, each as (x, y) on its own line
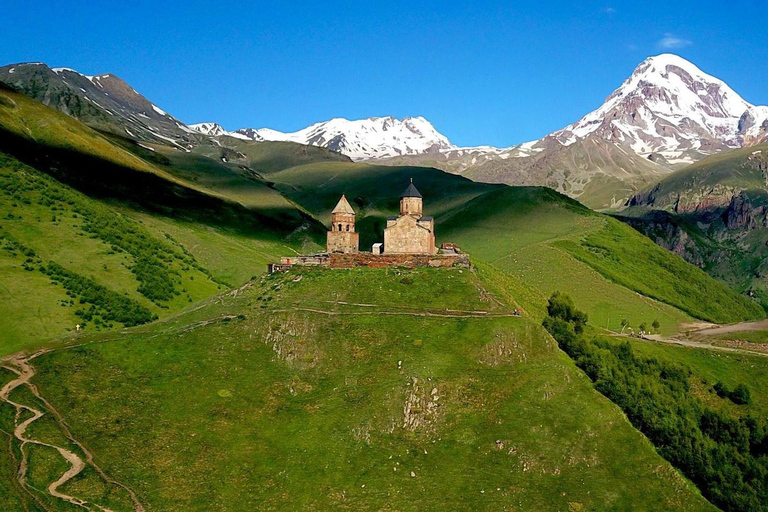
(724, 454)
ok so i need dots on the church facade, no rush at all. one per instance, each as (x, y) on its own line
(409, 233)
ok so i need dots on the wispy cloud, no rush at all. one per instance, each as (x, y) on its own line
(672, 42)
(609, 10)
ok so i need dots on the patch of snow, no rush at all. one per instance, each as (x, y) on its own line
(159, 110)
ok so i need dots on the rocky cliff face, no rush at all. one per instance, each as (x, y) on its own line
(742, 214)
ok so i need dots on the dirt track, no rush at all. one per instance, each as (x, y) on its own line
(20, 365)
(761, 325)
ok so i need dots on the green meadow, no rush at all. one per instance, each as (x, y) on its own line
(296, 394)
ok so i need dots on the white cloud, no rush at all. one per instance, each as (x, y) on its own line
(609, 10)
(672, 42)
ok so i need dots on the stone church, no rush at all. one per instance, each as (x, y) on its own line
(409, 233)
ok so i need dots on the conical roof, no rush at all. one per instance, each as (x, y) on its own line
(410, 191)
(343, 206)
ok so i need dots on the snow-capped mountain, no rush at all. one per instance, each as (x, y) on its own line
(666, 115)
(671, 108)
(365, 139)
(212, 129)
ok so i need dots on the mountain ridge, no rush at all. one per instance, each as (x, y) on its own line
(666, 115)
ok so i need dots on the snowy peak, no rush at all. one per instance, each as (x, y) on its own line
(364, 139)
(669, 107)
(212, 129)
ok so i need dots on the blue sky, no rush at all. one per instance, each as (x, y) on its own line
(495, 73)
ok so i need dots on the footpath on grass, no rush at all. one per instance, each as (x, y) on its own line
(19, 364)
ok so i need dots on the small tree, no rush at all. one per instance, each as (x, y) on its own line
(641, 327)
(656, 325)
(740, 395)
(624, 325)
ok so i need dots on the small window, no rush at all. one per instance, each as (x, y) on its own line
(339, 227)
(347, 227)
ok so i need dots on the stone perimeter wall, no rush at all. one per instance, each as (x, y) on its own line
(364, 259)
(369, 260)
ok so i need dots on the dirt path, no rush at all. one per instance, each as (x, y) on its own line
(693, 344)
(20, 365)
(713, 329)
(475, 314)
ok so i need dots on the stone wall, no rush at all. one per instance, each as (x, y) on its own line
(321, 259)
(405, 235)
(343, 241)
(365, 259)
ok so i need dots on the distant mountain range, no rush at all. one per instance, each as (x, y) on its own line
(666, 115)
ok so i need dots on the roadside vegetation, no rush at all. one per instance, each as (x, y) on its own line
(724, 453)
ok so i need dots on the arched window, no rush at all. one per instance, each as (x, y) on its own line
(347, 227)
(339, 227)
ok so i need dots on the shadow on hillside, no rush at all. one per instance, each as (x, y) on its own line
(144, 191)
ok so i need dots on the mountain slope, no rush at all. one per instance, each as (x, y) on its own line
(715, 215)
(85, 227)
(518, 229)
(104, 102)
(670, 108)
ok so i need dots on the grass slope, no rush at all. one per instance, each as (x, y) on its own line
(537, 236)
(256, 402)
(517, 229)
(44, 223)
(118, 224)
(640, 265)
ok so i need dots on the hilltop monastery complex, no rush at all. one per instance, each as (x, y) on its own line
(409, 241)
(410, 233)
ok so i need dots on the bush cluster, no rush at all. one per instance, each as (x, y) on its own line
(104, 304)
(155, 262)
(725, 455)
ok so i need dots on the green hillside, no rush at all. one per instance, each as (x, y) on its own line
(295, 393)
(535, 234)
(714, 214)
(93, 234)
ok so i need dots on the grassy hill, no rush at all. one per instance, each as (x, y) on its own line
(535, 234)
(94, 234)
(294, 393)
(714, 214)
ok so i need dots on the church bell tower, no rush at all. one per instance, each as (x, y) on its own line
(342, 236)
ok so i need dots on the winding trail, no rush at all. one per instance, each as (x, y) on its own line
(19, 364)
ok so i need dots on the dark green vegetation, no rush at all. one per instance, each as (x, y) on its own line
(714, 214)
(293, 394)
(104, 304)
(725, 453)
